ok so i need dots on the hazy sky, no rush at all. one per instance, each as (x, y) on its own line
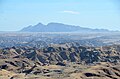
(16, 14)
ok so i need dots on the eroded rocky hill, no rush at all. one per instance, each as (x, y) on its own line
(64, 59)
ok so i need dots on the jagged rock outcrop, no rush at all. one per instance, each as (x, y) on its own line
(87, 62)
(53, 55)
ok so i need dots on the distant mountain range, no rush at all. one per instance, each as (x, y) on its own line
(59, 27)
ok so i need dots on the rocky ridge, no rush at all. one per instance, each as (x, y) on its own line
(63, 59)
